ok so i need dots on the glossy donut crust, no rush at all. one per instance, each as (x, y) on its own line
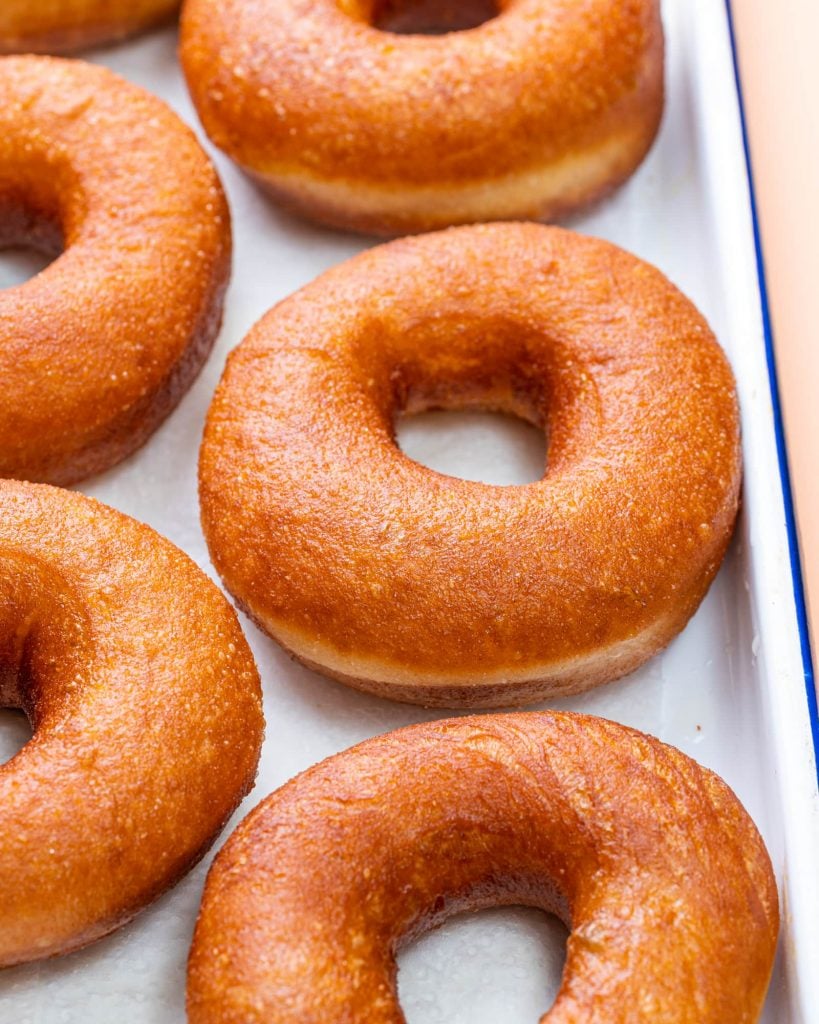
(60, 26)
(425, 588)
(97, 349)
(650, 859)
(146, 709)
(533, 114)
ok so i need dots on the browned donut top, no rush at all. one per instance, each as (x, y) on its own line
(310, 84)
(324, 529)
(146, 709)
(57, 26)
(111, 332)
(650, 859)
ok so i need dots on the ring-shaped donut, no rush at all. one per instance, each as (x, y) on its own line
(97, 349)
(60, 26)
(146, 710)
(650, 860)
(413, 585)
(533, 114)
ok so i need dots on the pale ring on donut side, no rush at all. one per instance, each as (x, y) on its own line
(650, 860)
(424, 588)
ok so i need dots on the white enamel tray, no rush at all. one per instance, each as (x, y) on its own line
(731, 691)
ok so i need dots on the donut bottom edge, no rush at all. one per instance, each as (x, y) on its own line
(552, 190)
(500, 689)
(105, 928)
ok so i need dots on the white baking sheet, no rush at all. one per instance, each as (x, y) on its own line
(729, 691)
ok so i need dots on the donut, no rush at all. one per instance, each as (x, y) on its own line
(146, 713)
(97, 349)
(536, 113)
(59, 26)
(649, 859)
(417, 586)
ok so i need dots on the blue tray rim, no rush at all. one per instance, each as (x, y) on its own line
(781, 447)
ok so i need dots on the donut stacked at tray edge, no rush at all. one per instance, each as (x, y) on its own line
(650, 860)
(534, 114)
(145, 706)
(98, 349)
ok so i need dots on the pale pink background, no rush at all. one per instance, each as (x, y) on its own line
(778, 43)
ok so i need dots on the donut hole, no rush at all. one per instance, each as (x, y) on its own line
(423, 17)
(15, 732)
(17, 703)
(503, 964)
(31, 230)
(487, 447)
(30, 240)
(19, 263)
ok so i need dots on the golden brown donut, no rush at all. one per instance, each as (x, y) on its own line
(146, 710)
(533, 114)
(97, 349)
(417, 586)
(59, 26)
(650, 860)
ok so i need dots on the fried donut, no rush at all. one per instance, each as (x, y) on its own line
(417, 586)
(146, 710)
(59, 26)
(650, 860)
(97, 349)
(534, 114)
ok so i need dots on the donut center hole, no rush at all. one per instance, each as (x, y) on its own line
(424, 17)
(15, 732)
(19, 263)
(31, 238)
(488, 447)
(503, 964)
